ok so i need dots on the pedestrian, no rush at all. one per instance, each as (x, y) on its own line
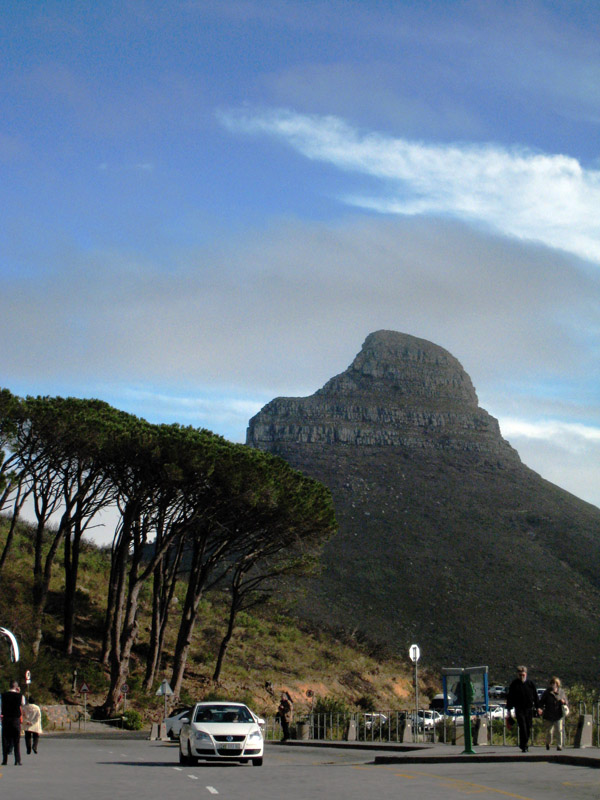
(32, 725)
(554, 710)
(523, 697)
(12, 702)
(285, 712)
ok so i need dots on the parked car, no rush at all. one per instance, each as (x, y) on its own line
(221, 731)
(455, 715)
(428, 719)
(372, 719)
(497, 691)
(174, 721)
(498, 712)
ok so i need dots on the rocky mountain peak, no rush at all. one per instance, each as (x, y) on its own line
(392, 363)
(399, 391)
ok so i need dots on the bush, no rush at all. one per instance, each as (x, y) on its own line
(366, 703)
(330, 705)
(132, 720)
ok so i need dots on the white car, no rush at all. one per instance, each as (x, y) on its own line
(428, 719)
(372, 719)
(497, 691)
(221, 731)
(498, 712)
(455, 715)
(174, 721)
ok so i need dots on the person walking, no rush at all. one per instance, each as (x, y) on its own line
(285, 712)
(32, 725)
(523, 697)
(554, 710)
(12, 702)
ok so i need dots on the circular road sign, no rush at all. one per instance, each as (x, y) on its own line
(414, 653)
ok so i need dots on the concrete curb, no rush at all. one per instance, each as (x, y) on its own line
(448, 754)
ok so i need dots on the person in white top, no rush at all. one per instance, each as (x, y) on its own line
(32, 725)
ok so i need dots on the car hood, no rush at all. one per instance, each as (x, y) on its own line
(226, 728)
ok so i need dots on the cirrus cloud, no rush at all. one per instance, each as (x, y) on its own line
(545, 198)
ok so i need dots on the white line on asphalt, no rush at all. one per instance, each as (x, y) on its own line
(193, 777)
(179, 769)
(212, 790)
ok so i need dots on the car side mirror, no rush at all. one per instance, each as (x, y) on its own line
(260, 720)
(185, 721)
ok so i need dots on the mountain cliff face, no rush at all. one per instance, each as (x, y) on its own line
(445, 538)
(399, 391)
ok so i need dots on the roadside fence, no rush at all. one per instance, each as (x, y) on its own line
(405, 726)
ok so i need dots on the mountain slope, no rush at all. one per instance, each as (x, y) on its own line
(446, 538)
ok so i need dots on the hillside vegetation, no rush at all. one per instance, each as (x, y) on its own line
(269, 650)
(240, 521)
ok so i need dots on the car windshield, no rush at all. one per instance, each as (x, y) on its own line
(223, 714)
(180, 710)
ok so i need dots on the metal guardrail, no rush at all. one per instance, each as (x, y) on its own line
(391, 726)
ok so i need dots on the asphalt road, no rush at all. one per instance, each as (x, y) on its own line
(95, 769)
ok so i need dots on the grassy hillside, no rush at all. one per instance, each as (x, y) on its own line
(479, 565)
(270, 651)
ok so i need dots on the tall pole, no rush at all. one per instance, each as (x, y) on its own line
(417, 699)
(414, 653)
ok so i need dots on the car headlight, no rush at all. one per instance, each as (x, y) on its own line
(255, 735)
(200, 736)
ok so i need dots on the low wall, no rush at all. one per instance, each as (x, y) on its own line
(61, 717)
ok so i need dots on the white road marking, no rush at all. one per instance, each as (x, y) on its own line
(212, 790)
(179, 769)
(193, 777)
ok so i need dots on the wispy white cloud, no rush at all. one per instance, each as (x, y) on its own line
(551, 199)
(215, 409)
(565, 453)
(572, 436)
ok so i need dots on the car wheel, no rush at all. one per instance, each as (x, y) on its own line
(182, 759)
(257, 762)
(190, 758)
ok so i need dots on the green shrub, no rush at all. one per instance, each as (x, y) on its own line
(132, 720)
(330, 705)
(366, 703)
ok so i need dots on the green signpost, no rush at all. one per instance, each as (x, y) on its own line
(467, 686)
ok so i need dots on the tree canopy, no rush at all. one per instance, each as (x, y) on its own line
(184, 496)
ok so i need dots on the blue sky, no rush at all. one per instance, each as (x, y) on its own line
(207, 204)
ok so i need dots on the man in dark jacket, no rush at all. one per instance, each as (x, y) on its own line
(523, 697)
(11, 722)
(285, 711)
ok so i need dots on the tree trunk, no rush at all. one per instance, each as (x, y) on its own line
(116, 588)
(17, 506)
(165, 580)
(233, 609)
(184, 637)
(72, 549)
(120, 657)
(196, 585)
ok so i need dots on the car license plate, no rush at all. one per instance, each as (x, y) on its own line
(230, 745)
